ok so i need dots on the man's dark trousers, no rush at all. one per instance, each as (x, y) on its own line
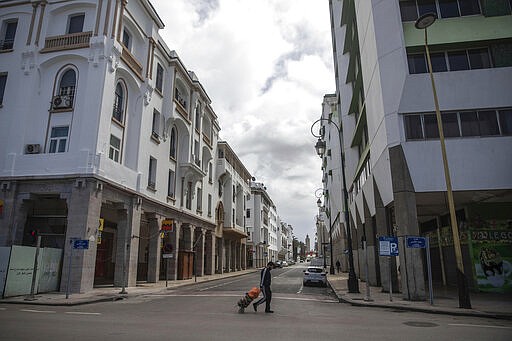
(267, 294)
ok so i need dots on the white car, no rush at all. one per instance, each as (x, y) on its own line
(315, 274)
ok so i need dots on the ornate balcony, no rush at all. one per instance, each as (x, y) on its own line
(67, 42)
(132, 62)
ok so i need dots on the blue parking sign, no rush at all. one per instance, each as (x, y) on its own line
(388, 246)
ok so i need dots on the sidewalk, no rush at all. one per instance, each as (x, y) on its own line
(105, 294)
(446, 300)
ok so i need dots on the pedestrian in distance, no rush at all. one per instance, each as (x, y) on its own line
(338, 266)
(265, 281)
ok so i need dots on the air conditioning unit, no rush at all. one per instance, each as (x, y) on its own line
(32, 149)
(62, 102)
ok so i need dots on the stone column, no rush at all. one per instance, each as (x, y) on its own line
(369, 254)
(387, 265)
(209, 267)
(244, 256)
(154, 252)
(127, 247)
(199, 249)
(357, 247)
(411, 264)
(228, 255)
(84, 206)
(220, 256)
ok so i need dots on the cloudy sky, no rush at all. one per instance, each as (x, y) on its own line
(266, 65)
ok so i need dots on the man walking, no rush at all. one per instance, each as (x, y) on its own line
(265, 282)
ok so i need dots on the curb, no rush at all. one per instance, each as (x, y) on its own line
(473, 313)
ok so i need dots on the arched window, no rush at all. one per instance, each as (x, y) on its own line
(173, 143)
(66, 90)
(118, 111)
(67, 83)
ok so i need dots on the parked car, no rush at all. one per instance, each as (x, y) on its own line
(314, 274)
(278, 264)
(284, 263)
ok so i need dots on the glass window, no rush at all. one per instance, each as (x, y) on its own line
(450, 124)
(469, 7)
(188, 199)
(199, 203)
(469, 123)
(198, 118)
(76, 23)
(458, 60)
(449, 8)
(118, 103)
(171, 186)
(58, 139)
(67, 83)
(209, 204)
(417, 63)
(173, 143)
(488, 123)
(210, 172)
(426, 6)
(152, 173)
(413, 129)
(115, 148)
(438, 61)
(3, 82)
(408, 10)
(479, 58)
(126, 39)
(431, 130)
(505, 117)
(8, 37)
(155, 129)
(159, 77)
(505, 121)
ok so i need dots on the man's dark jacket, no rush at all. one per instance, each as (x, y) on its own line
(265, 277)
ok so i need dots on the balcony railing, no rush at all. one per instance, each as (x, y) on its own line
(67, 42)
(132, 62)
(6, 45)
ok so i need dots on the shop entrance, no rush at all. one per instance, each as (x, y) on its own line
(105, 260)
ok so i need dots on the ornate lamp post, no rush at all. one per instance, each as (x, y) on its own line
(464, 301)
(353, 284)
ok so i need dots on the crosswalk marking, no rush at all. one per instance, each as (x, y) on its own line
(38, 311)
(81, 313)
(478, 325)
(234, 295)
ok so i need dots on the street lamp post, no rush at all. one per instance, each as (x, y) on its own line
(323, 209)
(423, 23)
(353, 284)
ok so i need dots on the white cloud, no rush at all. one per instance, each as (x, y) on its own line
(266, 65)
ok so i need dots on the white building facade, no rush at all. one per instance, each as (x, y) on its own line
(384, 106)
(107, 137)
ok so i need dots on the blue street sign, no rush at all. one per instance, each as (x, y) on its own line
(416, 242)
(388, 246)
(82, 244)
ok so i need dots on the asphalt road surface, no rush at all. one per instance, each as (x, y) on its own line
(207, 311)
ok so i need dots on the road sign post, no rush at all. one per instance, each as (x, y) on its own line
(388, 246)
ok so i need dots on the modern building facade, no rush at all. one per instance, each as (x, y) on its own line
(384, 107)
(106, 137)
